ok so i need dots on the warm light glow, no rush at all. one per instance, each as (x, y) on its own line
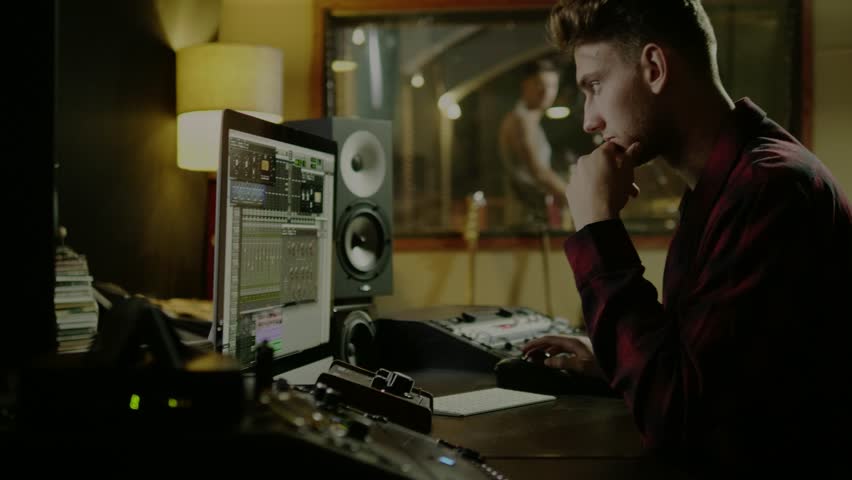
(188, 22)
(374, 59)
(447, 103)
(358, 36)
(217, 76)
(417, 80)
(199, 138)
(446, 100)
(341, 66)
(557, 113)
(454, 112)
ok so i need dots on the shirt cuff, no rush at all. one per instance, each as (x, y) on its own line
(598, 248)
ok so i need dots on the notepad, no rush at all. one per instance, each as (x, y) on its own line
(481, 401)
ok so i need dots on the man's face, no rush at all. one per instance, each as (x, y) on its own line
(539, 90)
(617, 106)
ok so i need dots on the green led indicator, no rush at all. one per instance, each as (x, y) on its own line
(173, 403)
(134, 402)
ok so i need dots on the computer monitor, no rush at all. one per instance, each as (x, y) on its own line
(273, 250)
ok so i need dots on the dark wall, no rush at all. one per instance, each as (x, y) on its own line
(27, 320)
(138, 218)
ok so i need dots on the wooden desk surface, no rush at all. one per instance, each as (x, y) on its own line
(576, 436)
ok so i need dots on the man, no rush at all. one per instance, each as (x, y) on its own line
(533, 185)
(746, 360)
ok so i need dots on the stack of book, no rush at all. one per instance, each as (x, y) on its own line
(74, 302)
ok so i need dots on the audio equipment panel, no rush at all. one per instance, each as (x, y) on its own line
(457, 337)
(318, 428)
(384, 392)
(504, 330)
(477, 338)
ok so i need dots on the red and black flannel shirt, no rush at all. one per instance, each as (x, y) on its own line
(748, 353)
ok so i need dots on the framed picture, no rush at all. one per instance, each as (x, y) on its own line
(446, 74)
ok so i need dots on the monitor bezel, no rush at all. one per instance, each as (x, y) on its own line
(232, 119)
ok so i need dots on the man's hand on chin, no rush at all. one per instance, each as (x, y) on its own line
(601, 184)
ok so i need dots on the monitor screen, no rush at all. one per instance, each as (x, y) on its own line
(274, 215)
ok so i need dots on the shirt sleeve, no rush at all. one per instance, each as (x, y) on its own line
(678, 366)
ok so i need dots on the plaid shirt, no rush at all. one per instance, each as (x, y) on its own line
(748, 352)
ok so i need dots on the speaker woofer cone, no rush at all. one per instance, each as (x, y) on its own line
(364, 244)
(356, 339)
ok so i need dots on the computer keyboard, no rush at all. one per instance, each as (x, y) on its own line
(482, 401)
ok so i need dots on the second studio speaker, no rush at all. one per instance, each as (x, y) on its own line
(363, 228)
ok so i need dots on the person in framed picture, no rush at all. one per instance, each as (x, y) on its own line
(535, 190)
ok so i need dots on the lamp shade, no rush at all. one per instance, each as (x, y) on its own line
(214, 76)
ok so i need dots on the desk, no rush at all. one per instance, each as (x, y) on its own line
(574, 437)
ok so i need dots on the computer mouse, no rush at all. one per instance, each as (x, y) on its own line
(525, 374)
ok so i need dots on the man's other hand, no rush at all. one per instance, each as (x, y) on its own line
(566, 353)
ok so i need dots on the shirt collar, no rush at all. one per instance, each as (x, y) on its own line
(736, 129)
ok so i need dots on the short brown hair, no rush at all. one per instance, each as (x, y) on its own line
(538, 66)
(682, 25)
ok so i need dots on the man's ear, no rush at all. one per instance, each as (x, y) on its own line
(654, 67)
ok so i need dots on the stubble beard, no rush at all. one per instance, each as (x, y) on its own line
(645, 128)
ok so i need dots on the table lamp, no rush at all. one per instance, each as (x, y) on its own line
(212, 77)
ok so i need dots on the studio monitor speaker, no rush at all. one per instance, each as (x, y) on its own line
(353, 334)
(363, 214)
